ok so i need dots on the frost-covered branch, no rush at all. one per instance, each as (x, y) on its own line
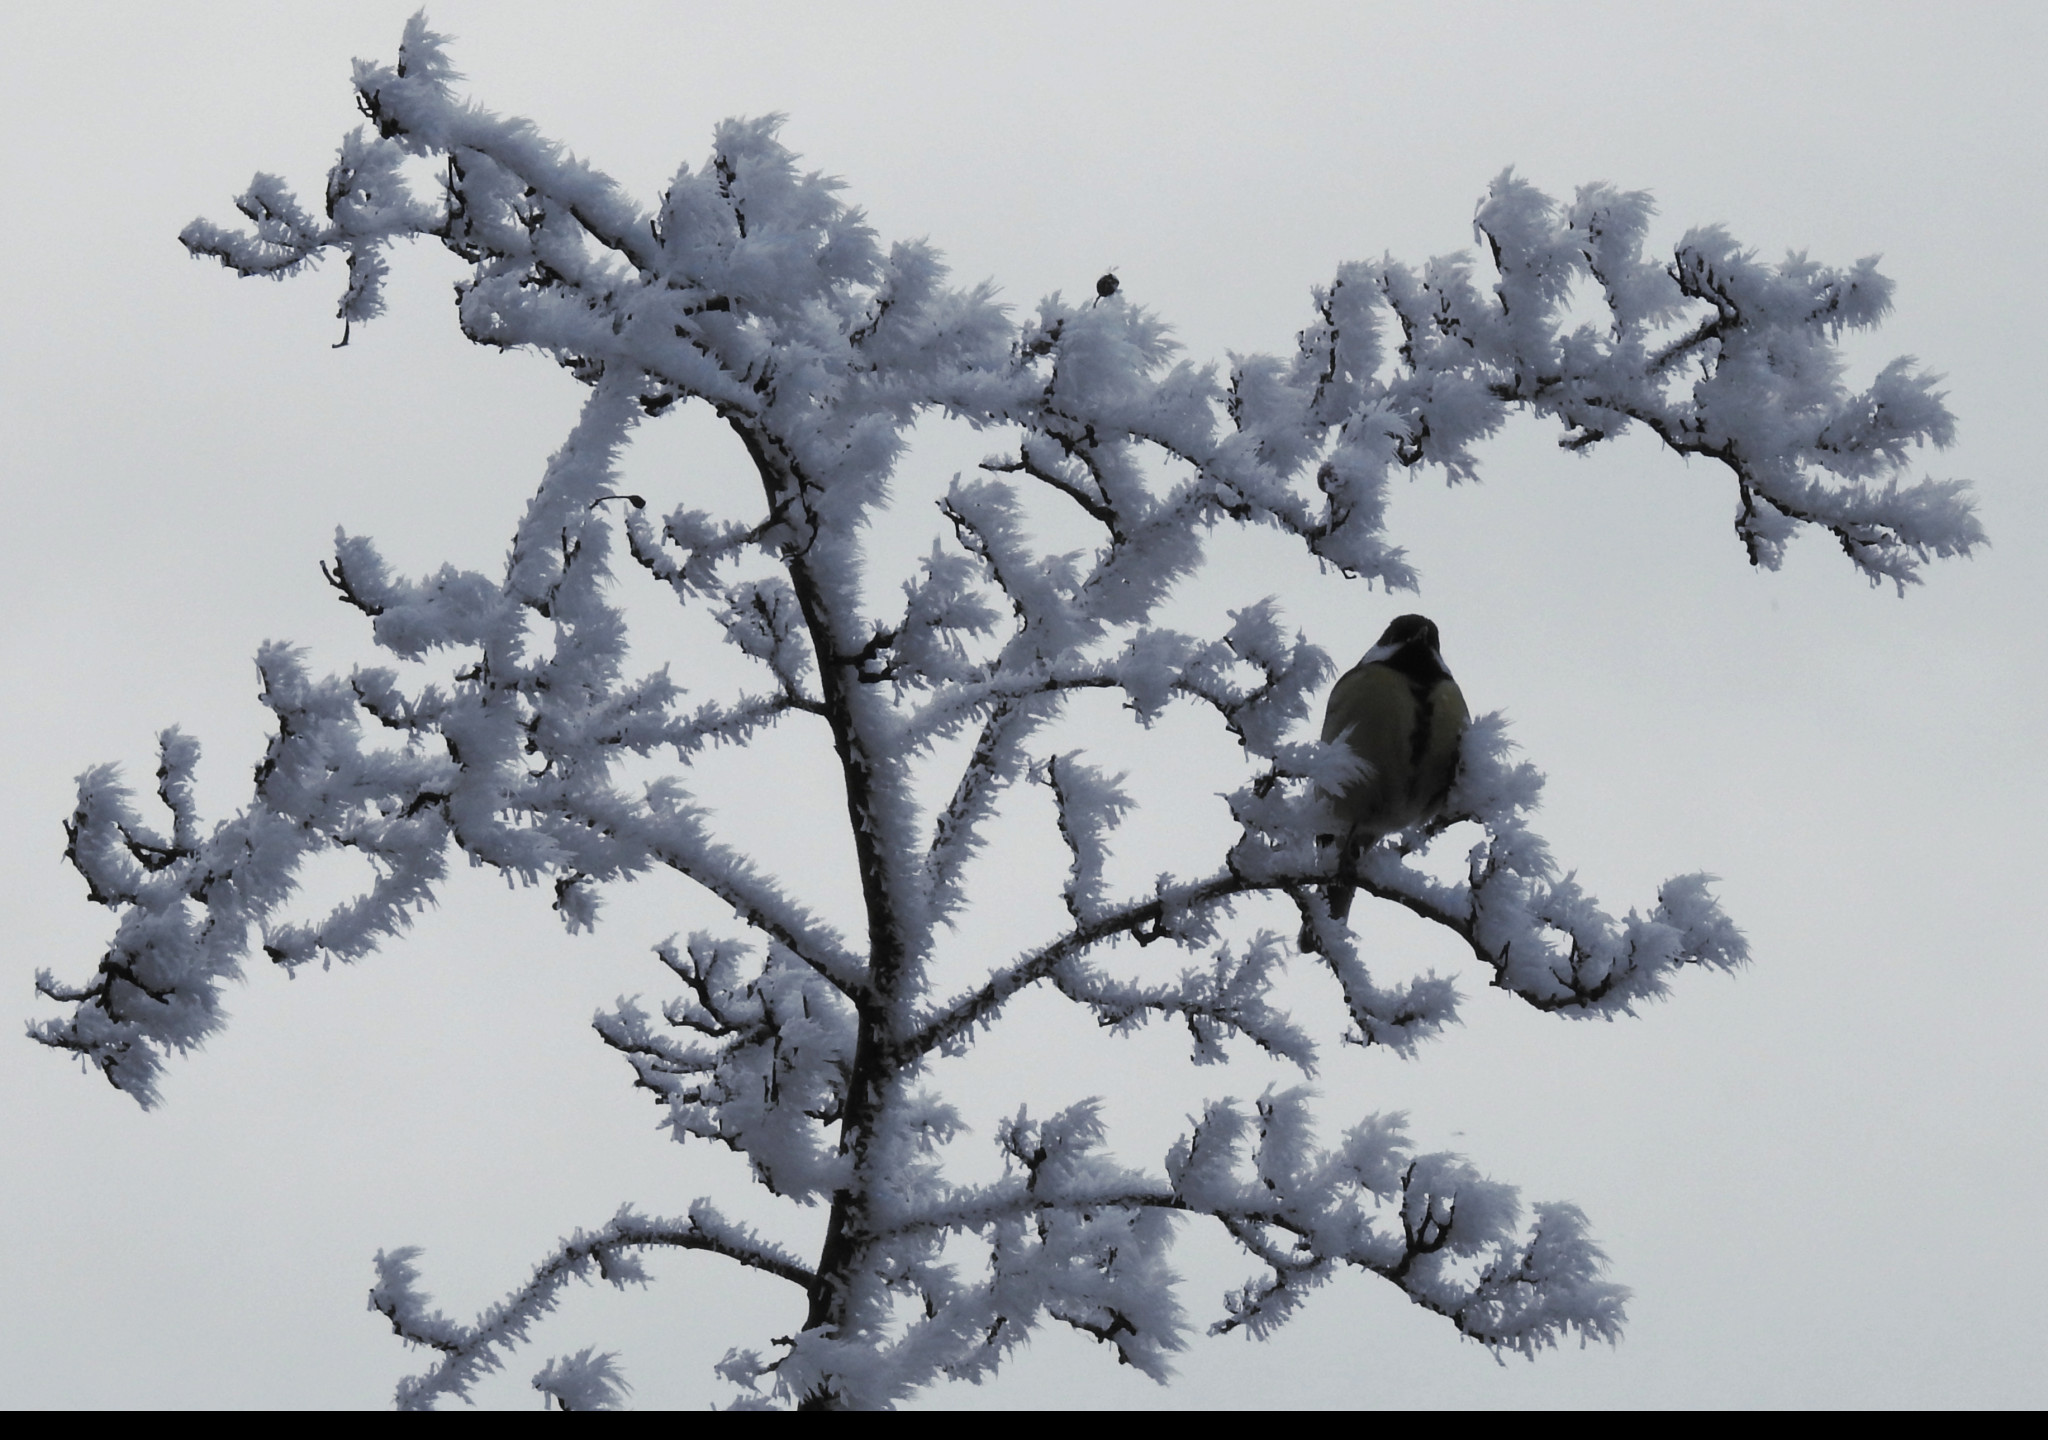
(470, 1352)
(764, 1065)
(1431, 1224)
(750, 287)
(185, 904)
(1076, 1238)
(1755, 383)
(997, 761)
(1226, 998)
(1538, 933)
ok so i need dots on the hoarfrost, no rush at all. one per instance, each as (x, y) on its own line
(752, 288)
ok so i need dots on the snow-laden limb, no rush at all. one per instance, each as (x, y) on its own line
(764, 1069)
(913, 1314)
(185, 904)
(1074, 1237)
(510, 763)
(752, 283)
(749, 286)
(612, 1252)
(1089, 805)
(1539, 934)
(1430, 1224)
(1538, 931)
(1227, 998)
(1257, 678)
(1753, 379)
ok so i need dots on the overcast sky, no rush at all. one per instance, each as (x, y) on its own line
(1822, 1176)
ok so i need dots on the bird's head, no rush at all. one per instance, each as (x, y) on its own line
(1413, 636)
(1406, 630)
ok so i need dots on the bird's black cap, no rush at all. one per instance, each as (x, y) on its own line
(1409, 628)
(1410, 645)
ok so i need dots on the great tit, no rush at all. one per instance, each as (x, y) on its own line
(1403, 715)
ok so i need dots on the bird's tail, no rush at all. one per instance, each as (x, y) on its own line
(1339, 897)
(1337, 894)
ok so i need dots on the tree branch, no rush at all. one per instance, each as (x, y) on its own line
(469, 1352)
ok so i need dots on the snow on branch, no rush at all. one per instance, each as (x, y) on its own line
(509, 762)
(750, 286)
(1227, 998)
(1752, 379)
(761, 1066)
(1074, 1237)
(749, 267)
(470, 1352)
(185, 904)
(1431, 1224)
(1540, 934)
(1089, 804)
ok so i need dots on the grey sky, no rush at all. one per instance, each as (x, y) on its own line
(1819, 1176)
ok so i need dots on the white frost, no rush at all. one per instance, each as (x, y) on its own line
(751, 287)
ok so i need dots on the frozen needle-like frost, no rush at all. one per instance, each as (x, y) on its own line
(751, 287)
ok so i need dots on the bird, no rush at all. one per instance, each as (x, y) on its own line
(1402, 714)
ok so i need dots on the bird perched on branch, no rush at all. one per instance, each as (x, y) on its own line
(1403, 715)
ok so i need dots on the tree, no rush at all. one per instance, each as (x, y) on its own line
(754, 290)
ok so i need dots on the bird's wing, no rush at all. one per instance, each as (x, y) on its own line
(1448, 718)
